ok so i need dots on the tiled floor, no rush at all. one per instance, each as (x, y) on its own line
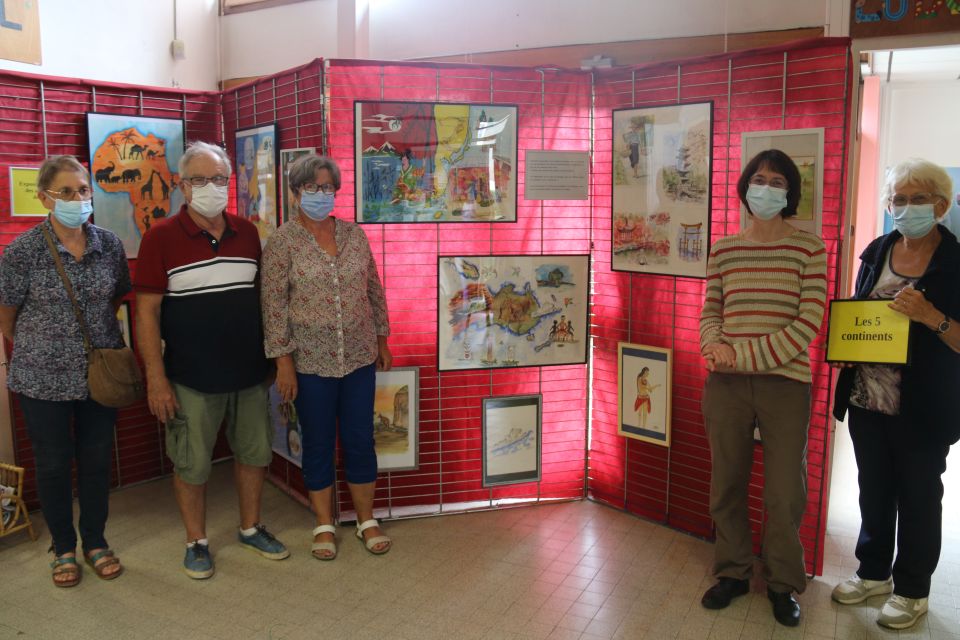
(567, 571)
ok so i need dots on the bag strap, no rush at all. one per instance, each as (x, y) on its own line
(68, 286)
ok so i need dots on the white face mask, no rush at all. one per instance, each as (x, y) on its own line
(209, 200)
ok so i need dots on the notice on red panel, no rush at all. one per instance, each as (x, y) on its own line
(557, 175)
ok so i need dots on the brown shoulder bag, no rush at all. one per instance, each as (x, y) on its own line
(113, 375)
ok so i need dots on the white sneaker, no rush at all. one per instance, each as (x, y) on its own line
(900, 612)
(855, 589)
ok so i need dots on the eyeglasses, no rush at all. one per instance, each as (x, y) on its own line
(313, 187)
(201, 181)
(776, 183)
(68, 193)
(901, 200)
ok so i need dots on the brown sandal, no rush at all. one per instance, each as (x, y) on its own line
(66, 566)
(110, 561)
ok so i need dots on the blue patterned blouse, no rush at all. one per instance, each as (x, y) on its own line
(48, 360)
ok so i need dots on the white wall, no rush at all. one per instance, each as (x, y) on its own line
(401, 29)
(127, 41)
(920, 120)
(266, 41)
(271, 40)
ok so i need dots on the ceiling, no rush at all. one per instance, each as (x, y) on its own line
(927, 64)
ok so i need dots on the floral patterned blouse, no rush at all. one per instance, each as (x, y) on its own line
(326, 311)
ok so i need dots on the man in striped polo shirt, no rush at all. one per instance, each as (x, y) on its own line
(197, 290)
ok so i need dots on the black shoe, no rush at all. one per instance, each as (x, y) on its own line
(786, 609)
(719, 595)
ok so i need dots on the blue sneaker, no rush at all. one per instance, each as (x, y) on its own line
(197, 563)
(264, 543)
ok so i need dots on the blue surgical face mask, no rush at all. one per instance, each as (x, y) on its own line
(766, 202)
(72, 213)
(317, 206)
(914, 220)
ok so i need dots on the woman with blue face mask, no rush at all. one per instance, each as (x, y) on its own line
(48, 370)
(903, 419)
(325, 324)
(765, 298)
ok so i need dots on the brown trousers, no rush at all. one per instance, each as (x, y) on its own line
(780, 407)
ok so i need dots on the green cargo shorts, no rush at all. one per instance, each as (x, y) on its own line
(192, 434)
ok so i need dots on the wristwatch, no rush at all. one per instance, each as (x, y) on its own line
(944, 326)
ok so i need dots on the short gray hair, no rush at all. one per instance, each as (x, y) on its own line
(304, 170)
(199, 147)
(921, 173)
(54, 166)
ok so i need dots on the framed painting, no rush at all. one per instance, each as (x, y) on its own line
(134, 162)
(435, 162)
(805, 148)
(644, 390)
(512, 311)
(511, 439)
(287, 434)
(257, 177)
(662, 163)
(287, 158)
(23, 193)
(126, 328)
(395, 419)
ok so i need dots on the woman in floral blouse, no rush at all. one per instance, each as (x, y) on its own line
(325, 323)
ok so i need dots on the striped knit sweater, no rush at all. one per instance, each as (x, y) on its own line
(766, 300)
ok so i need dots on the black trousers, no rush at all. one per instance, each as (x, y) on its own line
(55, 446)
(900, 496)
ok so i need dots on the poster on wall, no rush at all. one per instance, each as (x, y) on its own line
(805, 148)
(511, 439)
(134, 162)
(287, 158)
(435, 162)
(287, 433)
(875, 18)
(23, 193)
(395, 419)
(661, 189)
(512, 311)
(20, 31)
(256, 158)
(644, 391)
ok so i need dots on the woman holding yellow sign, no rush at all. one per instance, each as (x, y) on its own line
(902, 418)
(766, 289)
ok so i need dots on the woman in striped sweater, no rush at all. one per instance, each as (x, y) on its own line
(765, 298)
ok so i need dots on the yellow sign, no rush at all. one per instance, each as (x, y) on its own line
(23, 192)
(867, 331)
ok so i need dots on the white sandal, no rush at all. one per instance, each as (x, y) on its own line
(374, 541)
(329, 547)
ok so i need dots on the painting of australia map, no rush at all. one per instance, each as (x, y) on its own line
(133, 163)
(432, 162)
(512, 311)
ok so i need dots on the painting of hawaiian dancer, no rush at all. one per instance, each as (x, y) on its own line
(644, 392)
(435, 162)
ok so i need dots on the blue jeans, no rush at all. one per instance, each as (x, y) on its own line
(320, 403)
(54, 448)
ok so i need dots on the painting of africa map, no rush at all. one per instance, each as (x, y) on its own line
(512, 311)
(133, 164)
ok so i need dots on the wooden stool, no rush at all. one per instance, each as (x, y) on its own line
(18, 518)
